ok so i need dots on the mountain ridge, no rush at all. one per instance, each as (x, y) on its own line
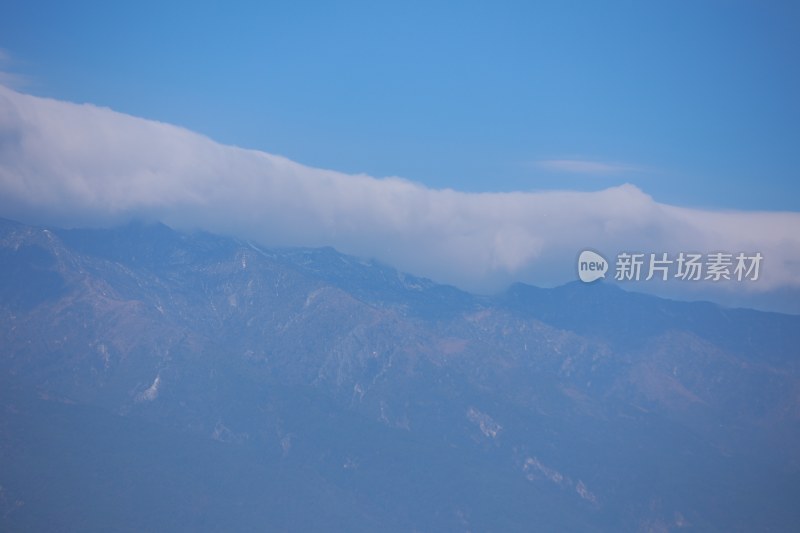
(414, 405)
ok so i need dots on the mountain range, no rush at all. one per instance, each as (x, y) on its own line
(155, 380)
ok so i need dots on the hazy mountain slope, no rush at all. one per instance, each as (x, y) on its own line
(303, 389)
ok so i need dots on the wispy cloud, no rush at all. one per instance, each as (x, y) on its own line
(7, 76)
(581, 166)
(84, 165)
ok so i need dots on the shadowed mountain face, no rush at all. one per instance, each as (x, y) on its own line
(158, 381)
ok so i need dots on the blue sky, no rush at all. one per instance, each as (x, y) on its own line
(693, 102)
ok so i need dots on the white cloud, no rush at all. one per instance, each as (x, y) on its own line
(72, 164)
(579, 166)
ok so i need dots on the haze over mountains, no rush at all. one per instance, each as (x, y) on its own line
(154, 380)
(81, 165)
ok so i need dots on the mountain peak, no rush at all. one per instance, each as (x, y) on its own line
(367, 390)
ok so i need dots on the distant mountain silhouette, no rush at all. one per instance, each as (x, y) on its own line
(152, 380)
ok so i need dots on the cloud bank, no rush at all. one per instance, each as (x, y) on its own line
(83, 165)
